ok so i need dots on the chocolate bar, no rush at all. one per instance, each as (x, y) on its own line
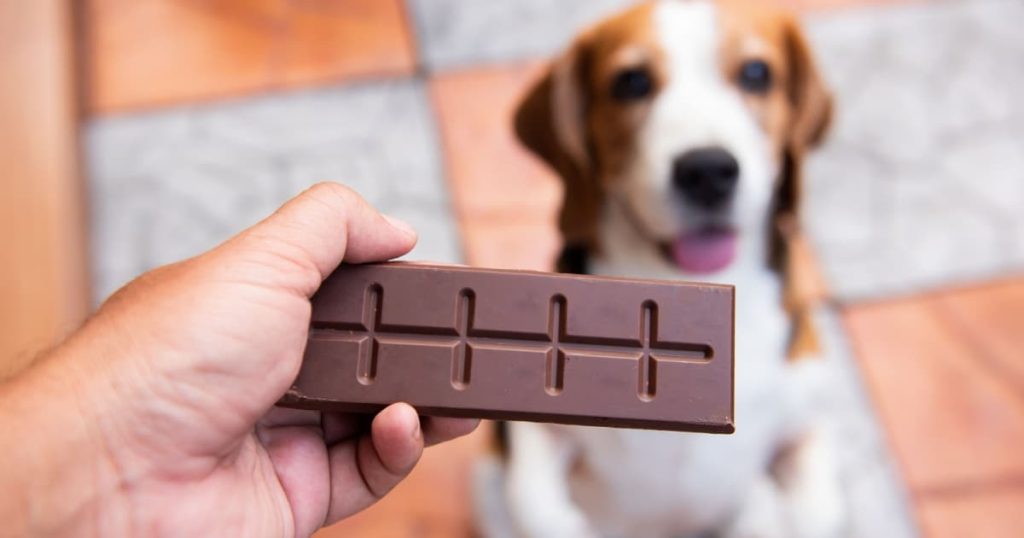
(515, 345)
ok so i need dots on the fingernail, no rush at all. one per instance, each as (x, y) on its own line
(416, 431)
(399, 224)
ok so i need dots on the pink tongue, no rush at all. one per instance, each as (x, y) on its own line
(704, 251)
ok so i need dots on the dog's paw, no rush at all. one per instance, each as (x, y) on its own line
(817, 512)
(569, 528)
(760, 515)
(814, 499)
(823, 524)
(547, 524)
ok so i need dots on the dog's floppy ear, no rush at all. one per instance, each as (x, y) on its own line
(810, 116)
(811, 99)
(551, 122)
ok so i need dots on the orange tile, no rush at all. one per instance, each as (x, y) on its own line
(496, 186)
(347, 38)
(434, 501)
(145, 53)
(158, 52)
(511, 244)
(951, 421)
(992, 317)
(992, 514)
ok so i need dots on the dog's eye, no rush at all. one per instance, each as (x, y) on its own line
(755, 76)
(632, 84)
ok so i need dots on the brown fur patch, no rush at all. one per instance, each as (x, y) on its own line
(604, 127)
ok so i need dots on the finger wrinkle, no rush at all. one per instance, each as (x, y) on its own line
(365, 443)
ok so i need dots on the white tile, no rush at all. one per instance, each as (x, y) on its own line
(922, 181)
(455, 33)
(169, 185)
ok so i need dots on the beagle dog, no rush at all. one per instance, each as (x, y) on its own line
(679, 128)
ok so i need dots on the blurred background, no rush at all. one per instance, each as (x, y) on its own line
(135, 133)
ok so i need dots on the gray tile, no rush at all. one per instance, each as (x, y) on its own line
(994, 162)
(168, 185)
(922, 181)
(456, 33)
(845, 192)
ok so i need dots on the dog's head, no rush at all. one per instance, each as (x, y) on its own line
(693, 116)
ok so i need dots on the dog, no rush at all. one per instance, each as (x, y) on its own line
(679, 128)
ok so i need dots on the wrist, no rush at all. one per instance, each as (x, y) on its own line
(59, 476)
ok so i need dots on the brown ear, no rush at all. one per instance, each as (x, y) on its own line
(551, 122)
(810, 116)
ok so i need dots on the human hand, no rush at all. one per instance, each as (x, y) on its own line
(157, 416)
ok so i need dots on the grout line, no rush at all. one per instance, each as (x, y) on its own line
(413, 39)
(989, 358)
(926, 291)
(232, 97)
(965, 488)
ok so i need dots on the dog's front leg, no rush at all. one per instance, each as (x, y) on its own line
(808, 478)
(760, 513)
(538, 486)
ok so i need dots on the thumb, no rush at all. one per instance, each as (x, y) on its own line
(323, 226)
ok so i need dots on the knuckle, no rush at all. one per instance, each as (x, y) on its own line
(329, 190)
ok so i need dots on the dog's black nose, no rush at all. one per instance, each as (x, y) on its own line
(707, 177)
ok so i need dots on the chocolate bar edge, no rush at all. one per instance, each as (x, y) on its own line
(295, 400)
(707, 286)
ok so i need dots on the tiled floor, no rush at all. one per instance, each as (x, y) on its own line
(414, 113)
(993, 513)
(944, 370)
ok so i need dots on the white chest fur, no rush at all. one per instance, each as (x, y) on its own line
(659, 480)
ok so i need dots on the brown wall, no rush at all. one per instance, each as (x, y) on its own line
(43, 274)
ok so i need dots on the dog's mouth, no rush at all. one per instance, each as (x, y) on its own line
(705, 250)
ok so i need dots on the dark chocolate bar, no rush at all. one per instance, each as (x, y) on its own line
(516, 345)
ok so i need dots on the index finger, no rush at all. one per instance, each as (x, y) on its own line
(323, 226)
